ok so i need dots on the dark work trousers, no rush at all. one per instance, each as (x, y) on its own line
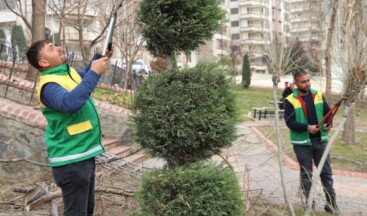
(76, 181)
(305, 156)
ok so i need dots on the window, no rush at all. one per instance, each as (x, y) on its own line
(235, 36)
(235, 23)
(234, 10)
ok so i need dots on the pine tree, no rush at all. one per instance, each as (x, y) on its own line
(246, 71)
(3, 55)
(18, 40)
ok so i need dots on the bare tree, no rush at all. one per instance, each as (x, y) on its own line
(128, 37)
(20, 10)
(235, 51)
(38, 23)
(352, 50)
(62, 9)
(353, 55)
(281, 57)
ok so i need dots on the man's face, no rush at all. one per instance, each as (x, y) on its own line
(303, 83)
(51, 56)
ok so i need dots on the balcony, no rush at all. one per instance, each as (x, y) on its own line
(253, 3)
(254, 16)
(255, 41)
(254, 29)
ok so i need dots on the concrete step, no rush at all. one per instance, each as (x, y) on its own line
(109, 144)
(136, 158)
(120, 151)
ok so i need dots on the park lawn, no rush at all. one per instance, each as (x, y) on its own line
(344, 157)
(247, 99)
(121, 99)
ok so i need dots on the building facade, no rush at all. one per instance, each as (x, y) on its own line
(254, 23)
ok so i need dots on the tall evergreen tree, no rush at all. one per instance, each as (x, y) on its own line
(2, 36)
(18, 40)
(246, 71)
(3, 55)
(171, 26)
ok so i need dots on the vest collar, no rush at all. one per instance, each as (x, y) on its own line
(295, 92)
(58, 70)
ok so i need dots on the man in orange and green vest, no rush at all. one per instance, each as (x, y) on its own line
(73, 132)
(303, 109)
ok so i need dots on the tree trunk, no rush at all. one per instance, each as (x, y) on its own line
(349, 137)
(81, 44)
(329, 47)
(38, 29)
(349, 127)
(280, 153)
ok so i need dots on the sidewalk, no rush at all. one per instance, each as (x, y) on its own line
(258, 171)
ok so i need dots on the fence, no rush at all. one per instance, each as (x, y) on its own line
(14, 68)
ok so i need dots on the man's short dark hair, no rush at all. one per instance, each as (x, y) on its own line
(33, 53)
(298, 73)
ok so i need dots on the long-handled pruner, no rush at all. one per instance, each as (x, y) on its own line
(331, 112)
(110, 27)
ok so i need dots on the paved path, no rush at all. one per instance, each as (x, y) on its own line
(258, 171)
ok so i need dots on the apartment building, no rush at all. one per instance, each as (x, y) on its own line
(305, 23)
(254, 23)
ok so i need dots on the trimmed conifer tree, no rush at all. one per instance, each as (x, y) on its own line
(246, 71)
(193, 190)
(185, 116)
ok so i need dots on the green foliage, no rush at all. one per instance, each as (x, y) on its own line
(246, 72)
(2, 36)
(18, 40)
(185, 116)
(3, 55)
(171, 25)
(191, 190)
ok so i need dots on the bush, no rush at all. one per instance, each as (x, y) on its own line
(246, 72)
(3, 55)
(185, 116)
(191, 190)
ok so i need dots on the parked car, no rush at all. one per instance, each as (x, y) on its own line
(139, 67)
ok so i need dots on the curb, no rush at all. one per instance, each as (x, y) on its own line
(290, 163)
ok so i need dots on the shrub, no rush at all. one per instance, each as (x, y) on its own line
(3, 55)
(246, 72)
(185, 116)
(191, 190)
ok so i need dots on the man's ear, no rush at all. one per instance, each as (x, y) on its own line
(43, 63)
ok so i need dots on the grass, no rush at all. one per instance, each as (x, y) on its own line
(122, 99)
(247, 99)
(344, 157)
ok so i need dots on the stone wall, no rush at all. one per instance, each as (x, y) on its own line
(19, 140)
(22, 134)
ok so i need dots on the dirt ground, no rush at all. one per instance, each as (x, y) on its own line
(107, 203)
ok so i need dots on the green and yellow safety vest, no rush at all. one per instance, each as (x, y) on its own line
(303, 138)
(70, 137)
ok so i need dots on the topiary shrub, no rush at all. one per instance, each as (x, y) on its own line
(191, 190)
(185, 115)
